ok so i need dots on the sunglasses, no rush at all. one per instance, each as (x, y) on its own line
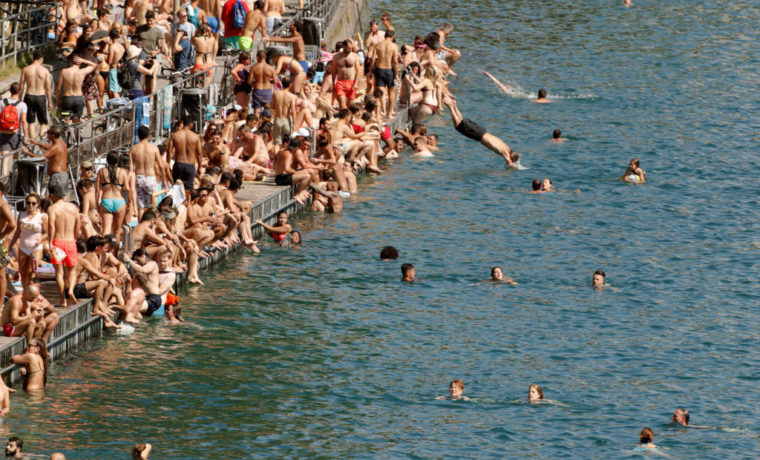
(35, 203)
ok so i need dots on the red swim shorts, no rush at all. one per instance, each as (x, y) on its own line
(70, 250)
(345, 88)
(208, 67)
(9, 329)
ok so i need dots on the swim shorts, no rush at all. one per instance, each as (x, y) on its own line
(61, 179)
(113, 81)
(304, 65)
(80, 291)
(67, 254)
(384, 77)
(345, 88)
(184, 172)
(73, 105)
(9, 329)
(283, 179)
(245, 43)
(36, 109)
(470, 129)
(280, 128)
(233, 42)
(154, 303)
(260, 97)
(213, 24)
(145, 185)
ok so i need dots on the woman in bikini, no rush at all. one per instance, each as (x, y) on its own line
(204, 51)
(30, 233)
(298, 76)
(280, 231)
(33, 365)
(111, 204)
(432, 92)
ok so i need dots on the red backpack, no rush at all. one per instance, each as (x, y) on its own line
(9, 119)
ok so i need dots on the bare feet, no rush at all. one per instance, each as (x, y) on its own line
(73, 299)
(195, 280)
(371, 168)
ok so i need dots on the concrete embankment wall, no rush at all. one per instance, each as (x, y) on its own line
(346, 21)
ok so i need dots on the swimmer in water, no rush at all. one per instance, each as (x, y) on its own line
(407, 272)
(421, 148)
(456, 391)
(646, 439)
(557, 136)
(389, 253)
(542, 97)
(634, 174)
(535, 393)
(597, 281)
(681, 417)
(497, 276)
(547, 186)
(536, 186)
(501, 85)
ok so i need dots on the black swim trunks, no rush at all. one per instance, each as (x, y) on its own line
(36, 109)
(384, 77)
(154, 303)
(283, 179)
(471, 129)
(184, 172)
(80, 291)
(73, 105)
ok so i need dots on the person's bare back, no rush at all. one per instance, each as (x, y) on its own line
(144, 157)
(187, 146)
(63, 218)
(282, 103)
(261, 75)
(37, 79)
(387, 54)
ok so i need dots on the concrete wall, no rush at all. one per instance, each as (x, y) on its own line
(345, 23)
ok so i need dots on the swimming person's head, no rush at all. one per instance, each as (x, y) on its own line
(407, 272)
(646, 436)
(295, 237)
(456, 389)
(547, 185)
(389, 253)
(536, 185)
(557, 134)
(634, 163)
(497, 274)
(681, 417)
(597, 281)
(535, 393)
(542, 93)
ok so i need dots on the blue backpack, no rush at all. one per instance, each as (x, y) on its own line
(238, 14)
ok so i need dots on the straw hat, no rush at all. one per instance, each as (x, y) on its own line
(133, 52)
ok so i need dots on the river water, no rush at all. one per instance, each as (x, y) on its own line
(321, 351)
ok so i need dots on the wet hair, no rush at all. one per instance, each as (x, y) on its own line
(296, 232)
(39, 343)
(538, 390)
(143, 132)
(634, 162)
(405, 268)
(17, 440)
(112, 165)
(646, 436)
(536, 185)
(389, 253)
(600, 272)
(94, 241)
(55, 131)
(493, 270)
(148, 215)
(542, 93)
(685, 414)
(457, 383)
(556, 134)
(137, 450)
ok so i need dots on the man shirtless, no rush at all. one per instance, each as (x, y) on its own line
(283, 109)
(145, 297)
(56, 155)
(347, 74)
(69, 89)
(372, 38)
(237, 210)
(144, 235)
(63, 230)
(286, 174)
(200, 220)
(43, 313)
(92, 282)
(115, 53)
(254, 20)
(386, 70)
(474, 131)
(296, 39)
(260, 78)
(252, 150)
(73, 11)
(185, 148)
(16, 318)
(350, 143)
(38, 94)
(149, 169)
(334, 200)
(450, 55)
(386, 20)
(216, 151)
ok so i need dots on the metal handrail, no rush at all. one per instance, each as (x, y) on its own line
(27, 29)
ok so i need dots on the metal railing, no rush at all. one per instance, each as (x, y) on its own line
(24, 26)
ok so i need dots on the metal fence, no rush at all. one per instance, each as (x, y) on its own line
(24, 26)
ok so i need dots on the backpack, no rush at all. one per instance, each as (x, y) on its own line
(124, 75)
(238, 14)
(9, 119)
